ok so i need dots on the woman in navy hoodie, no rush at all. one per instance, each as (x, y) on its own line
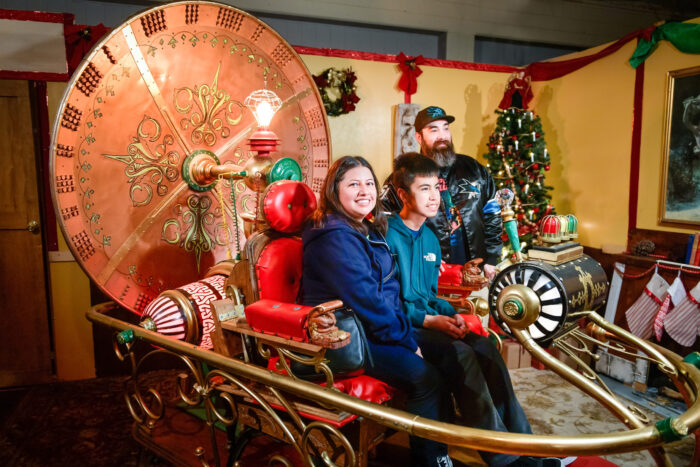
(347, 258)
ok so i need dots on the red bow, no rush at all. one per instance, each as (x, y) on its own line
(79, 40)
(519, 82)
(410, 72)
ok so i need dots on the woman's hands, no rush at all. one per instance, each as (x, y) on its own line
(453, 326)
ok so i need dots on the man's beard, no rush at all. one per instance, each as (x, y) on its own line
(444, 156)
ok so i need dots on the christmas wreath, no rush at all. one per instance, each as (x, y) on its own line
(337, 88)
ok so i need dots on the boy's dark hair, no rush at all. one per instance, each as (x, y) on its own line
(410, 165)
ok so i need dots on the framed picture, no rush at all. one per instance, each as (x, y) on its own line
(680, 183)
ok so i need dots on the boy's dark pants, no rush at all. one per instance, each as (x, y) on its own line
(477, 376)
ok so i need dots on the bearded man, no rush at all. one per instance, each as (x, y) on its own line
(469, 222)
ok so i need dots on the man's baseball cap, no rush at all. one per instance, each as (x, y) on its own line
(430, 114)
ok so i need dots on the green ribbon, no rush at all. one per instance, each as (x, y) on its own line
(669, 431)
(684, 36)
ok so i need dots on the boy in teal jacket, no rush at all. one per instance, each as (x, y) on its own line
(471, 364)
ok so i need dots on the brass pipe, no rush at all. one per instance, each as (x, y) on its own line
(631, 339)
(205, 170)
(486, 440)
(623, 413)
(574, 377)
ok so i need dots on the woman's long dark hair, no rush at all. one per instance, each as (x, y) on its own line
(329, 202)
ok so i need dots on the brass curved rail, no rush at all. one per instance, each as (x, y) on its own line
(638, 438)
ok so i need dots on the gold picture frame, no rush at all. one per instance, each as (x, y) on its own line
(680, 179)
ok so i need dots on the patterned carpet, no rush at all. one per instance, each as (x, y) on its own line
(86, 422)
(555, 406)
(68, 424)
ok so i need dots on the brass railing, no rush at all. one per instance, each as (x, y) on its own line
(239, 374)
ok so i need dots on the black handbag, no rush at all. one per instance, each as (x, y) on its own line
(347, 359)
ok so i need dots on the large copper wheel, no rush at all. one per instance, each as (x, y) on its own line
(167, 83)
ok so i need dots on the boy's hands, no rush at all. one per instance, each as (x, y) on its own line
(461, 324)
(450, 325)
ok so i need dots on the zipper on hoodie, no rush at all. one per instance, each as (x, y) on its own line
(383, 243)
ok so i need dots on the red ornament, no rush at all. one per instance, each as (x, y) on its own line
(536, 210)
(535, 166)
(521, 216)
(546, 167)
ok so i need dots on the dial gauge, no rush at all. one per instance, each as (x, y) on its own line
(168, 83)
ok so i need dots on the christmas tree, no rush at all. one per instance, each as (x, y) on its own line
(518, 159)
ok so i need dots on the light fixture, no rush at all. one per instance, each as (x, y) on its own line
(264, 104)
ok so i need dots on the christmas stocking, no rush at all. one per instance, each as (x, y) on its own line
(683, 322)
(674, 295)
(640, 316)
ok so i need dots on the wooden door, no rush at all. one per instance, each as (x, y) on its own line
(25, 346)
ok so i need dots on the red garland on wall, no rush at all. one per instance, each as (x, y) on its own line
(79, 41)
(410, 72)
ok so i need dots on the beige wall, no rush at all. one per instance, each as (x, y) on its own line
(587, 120)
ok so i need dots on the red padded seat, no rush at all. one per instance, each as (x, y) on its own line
(278, 270)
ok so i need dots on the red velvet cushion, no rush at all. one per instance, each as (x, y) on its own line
(287, 204)
(356, 384)
(474, 324)
(278, 270)
(365, 387)
(280, 319)
(452, 275)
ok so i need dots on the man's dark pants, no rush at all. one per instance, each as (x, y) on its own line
(476, 374)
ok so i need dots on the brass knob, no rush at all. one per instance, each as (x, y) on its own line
(33, 227)
(518, 305)
(481, 306)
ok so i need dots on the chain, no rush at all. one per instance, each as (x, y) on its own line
(235, 219)
(223, 213)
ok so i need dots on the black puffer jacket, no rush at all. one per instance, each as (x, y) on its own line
(471, 187)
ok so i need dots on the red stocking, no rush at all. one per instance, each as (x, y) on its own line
(640, 316)
(683, 321)
(674, 295)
